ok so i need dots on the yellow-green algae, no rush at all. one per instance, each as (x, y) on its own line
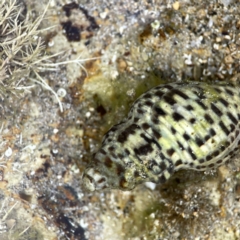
(116, 96)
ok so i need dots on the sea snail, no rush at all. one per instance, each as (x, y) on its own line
(191, 125)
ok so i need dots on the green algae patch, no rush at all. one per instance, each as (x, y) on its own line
(112, 99)
(145, 221)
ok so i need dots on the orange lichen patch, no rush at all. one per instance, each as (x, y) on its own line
(223, 212)
(103, 22)
(7, 138)
(54, 125)
(95, 198)
(93, 66)
(202, 52)
(86, 35)
(11, 133)
(36, 138)
(16, 130)
(55, 138)
(76, 91)
(90, 80)
(68, 192)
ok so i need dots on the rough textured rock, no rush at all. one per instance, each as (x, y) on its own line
(125, 48)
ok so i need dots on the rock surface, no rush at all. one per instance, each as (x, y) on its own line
(115, 50)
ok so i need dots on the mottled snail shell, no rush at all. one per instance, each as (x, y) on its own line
(191, 125)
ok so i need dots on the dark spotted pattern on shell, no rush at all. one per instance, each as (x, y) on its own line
(191, 125)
